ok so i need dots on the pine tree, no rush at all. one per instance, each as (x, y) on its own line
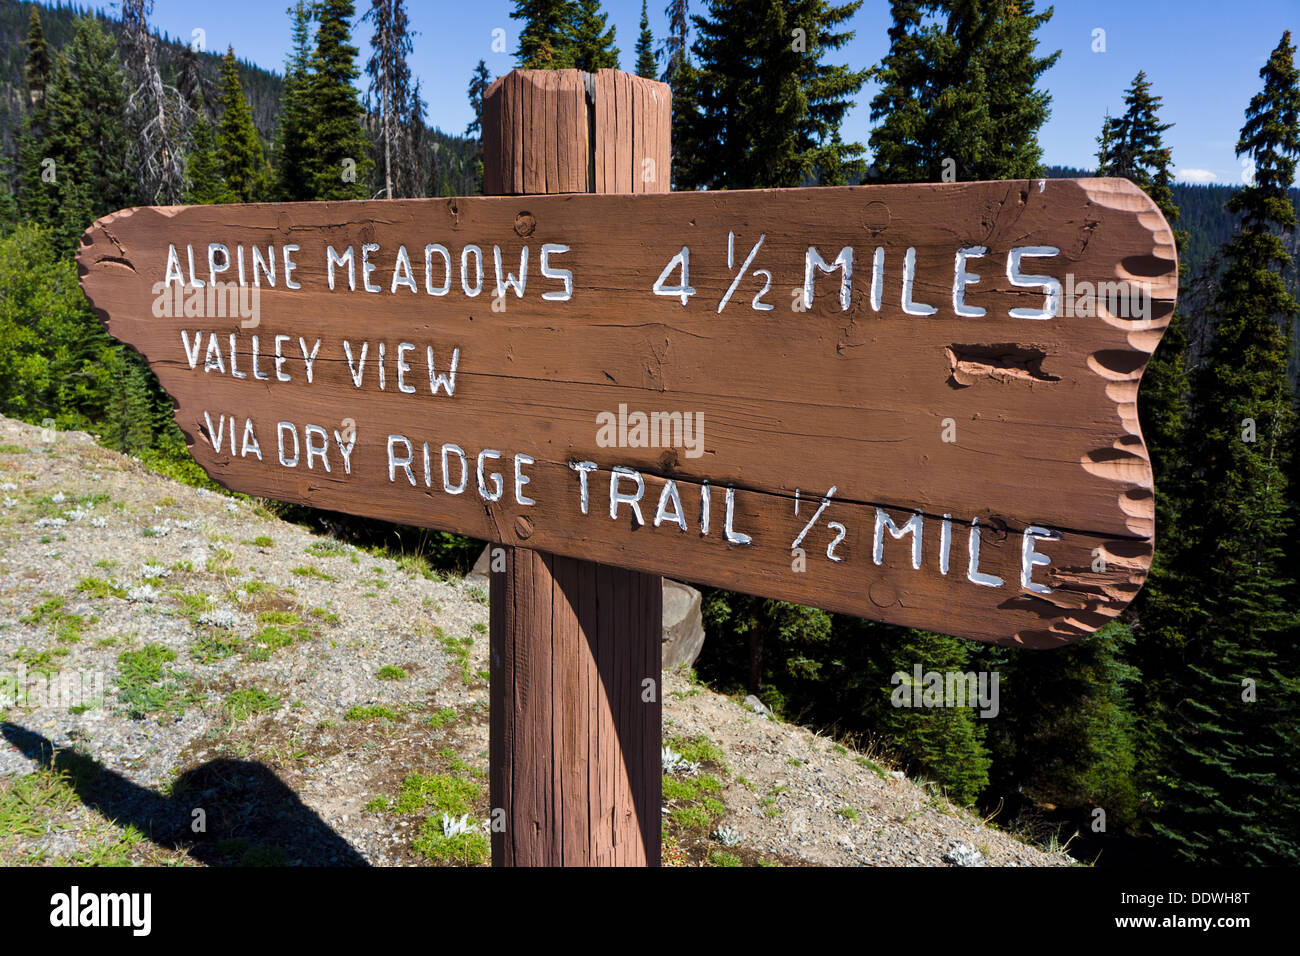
(77, 168)
(762, 109)
(646, 65)
(478, 85)
(1230, 785)
(389, 95)
(1066, 728)
(36, 72)
(593, 44)
(239, 148)
(293, 180)
(1132, 145)
(546, 39)
(337, 162)
(677, 42)
(959, 96)
(204, 182)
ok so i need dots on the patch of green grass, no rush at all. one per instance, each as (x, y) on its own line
(40, 661)
(873, 766)
(68, 628)
(795, 762)
(376, 712)
(145, 686)
(248, 701)
(458, 647)
(215, 645)
(697, 749)
(13, 450)
(675, 788)
(246, 853)
(390, 672)
(707, 783)
(414, 564)
(479, 627)
(326, 549)
(470, 849)
(840, 749)
(261, 541)
(723, 858)
(378, 805)
(477, 594)
(443, 717)
(99, 588)
(438, 794)
(282, 618)
(690, 818)
(329, 617)
(307, 571)
(848, 813)
(106, 563)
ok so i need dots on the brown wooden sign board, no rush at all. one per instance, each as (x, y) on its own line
(909, 403)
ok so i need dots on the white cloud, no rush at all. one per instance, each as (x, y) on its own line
(1200, 176)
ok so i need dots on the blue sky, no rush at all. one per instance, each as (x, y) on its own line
(1202, 56)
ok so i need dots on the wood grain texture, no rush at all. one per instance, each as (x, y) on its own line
(793, 402)
(575, 743)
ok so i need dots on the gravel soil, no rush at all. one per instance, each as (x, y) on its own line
(187, 680)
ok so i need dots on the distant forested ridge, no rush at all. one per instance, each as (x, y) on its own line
(1203, 213)
(453, 175)
(261, 87)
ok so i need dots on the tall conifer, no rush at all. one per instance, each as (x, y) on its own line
(762, 108)
(337, 163)
(959, 95)
(646, 65)
(239, 148)
(1229, 790)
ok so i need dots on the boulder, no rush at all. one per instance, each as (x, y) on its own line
(683, 625)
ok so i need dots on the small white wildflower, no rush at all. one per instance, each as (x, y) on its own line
(673, 762)
(202, 492)
(157, 510)
(222, 617)
(50, 522)
(160, 531)
(232, 507)
(727, 836)
(76, 514)
(98, 522)
(10, 502)
(58, 498)
(144, 593)
(8, 486)
(184, 525)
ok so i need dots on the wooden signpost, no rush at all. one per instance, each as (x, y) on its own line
(911, 403)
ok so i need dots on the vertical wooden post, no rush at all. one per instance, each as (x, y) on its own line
(575, 727)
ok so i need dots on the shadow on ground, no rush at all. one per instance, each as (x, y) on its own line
(251, 817)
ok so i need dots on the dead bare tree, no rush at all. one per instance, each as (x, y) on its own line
(158, 115)
(390, 95)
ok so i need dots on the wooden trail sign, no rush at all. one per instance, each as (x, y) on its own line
(911, 403)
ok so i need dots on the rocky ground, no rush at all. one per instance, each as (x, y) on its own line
(186, 679)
